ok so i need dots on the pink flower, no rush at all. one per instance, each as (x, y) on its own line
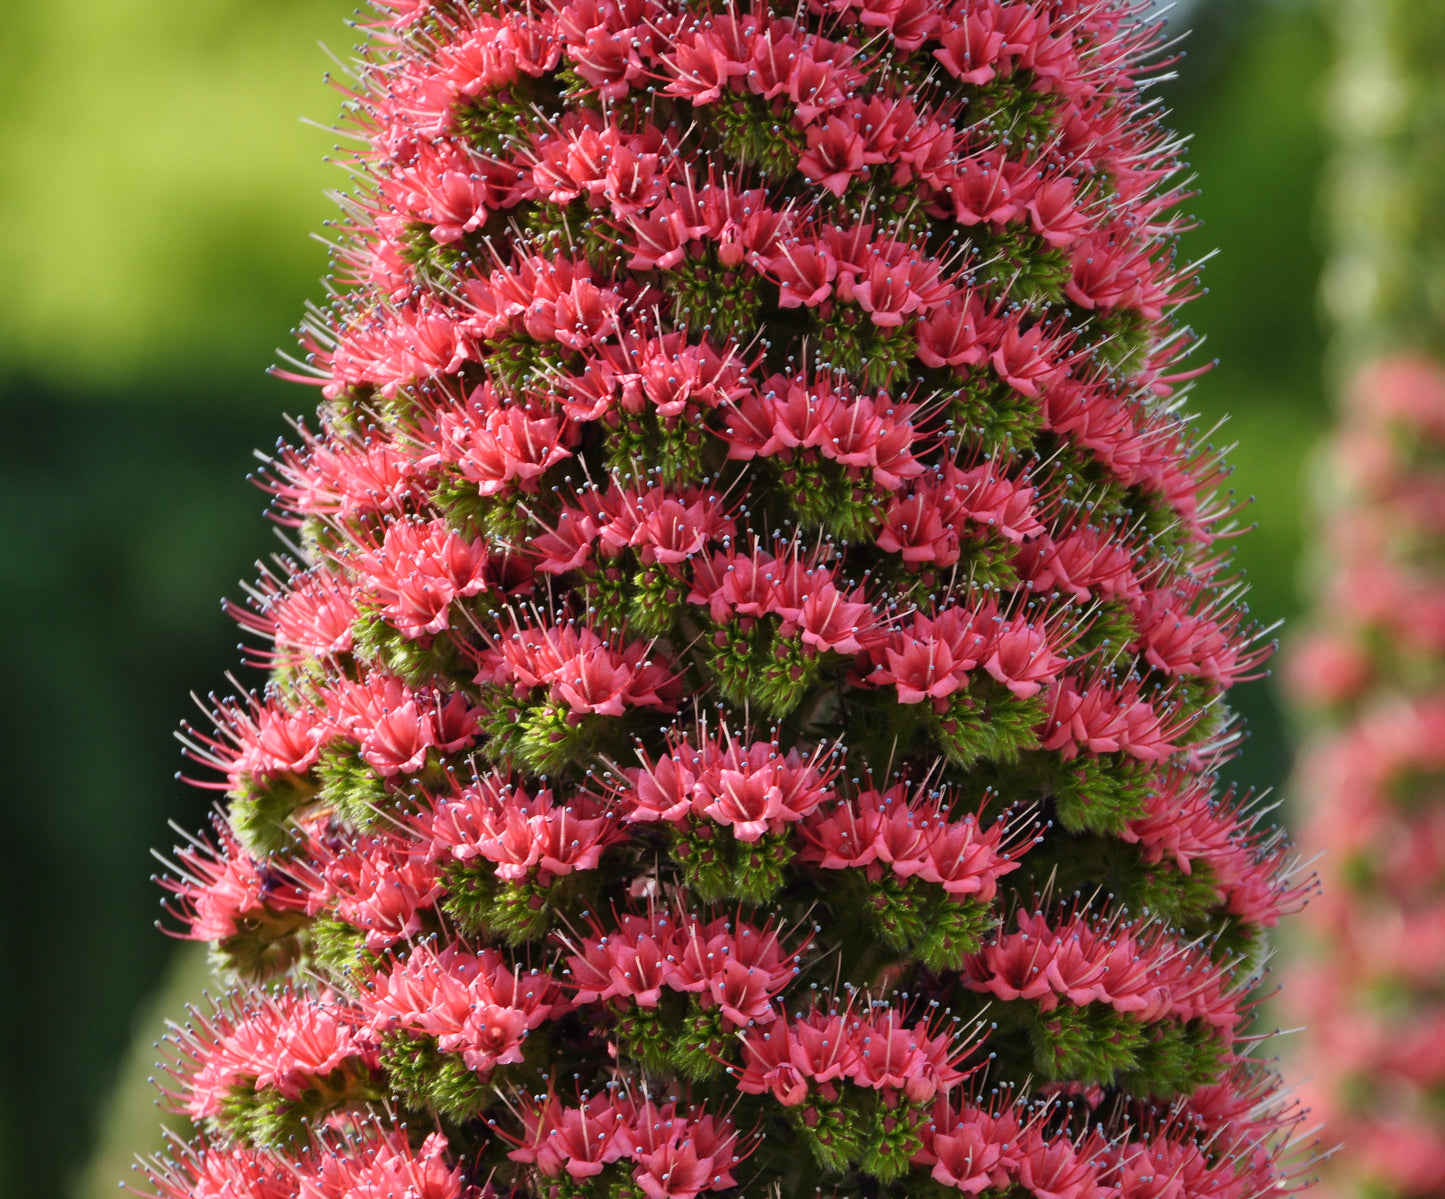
(913, 834)
(527, 836)
(1084, 562)
(701, 67)
(674, 1172)
(1058, 1169)
(444, 188)
(931, 658)
(579, 669)
(1101, 718)
(222, 1172)
(260, 742)
(497, 446)
(341, 477)
(312, 616)
(1054, 213)
(382, 886)
(878, 1051)
(737, 969)
(385, 1165)
(395, 727)
(892, 288)
(582, 1140)
(681, 1156)
(1140, 973)
(419, 570)
(956, 332)
(927, 526)
(1026, 359)
(972, 1150)
(859, 432)
(282, 1043)
(805, 272)
(474, 1005)
(665, 528)
(222, 890)
(971, 45)
(834, 157)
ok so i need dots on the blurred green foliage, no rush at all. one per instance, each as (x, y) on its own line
(1384, 284)
(156, 200)
(1250, 96)
(159, 186)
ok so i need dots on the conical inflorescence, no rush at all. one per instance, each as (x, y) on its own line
(748, 678)
(1369, 677)
(1371, 785)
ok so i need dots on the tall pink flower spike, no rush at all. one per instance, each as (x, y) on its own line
(1368, 971)
(748, 684)
(1371, 785)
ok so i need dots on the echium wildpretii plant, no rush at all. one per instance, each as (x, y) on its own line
(1370, 786)
(747, 682)
(1369, 789)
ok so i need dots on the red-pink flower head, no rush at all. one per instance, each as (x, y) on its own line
(751, 554)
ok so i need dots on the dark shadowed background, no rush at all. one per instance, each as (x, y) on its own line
(155, 201)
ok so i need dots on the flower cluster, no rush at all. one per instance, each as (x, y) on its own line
(876, 1051)
(476, 1005)
(910, 836)
(525, 835)
(751, 789)
(1138, 972)
(1209, 841)
(755, 607)
(675, 1155)
(1371, 778)
(251, 1065)
(735, 969)
(974, 1149)
(363, 1158)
